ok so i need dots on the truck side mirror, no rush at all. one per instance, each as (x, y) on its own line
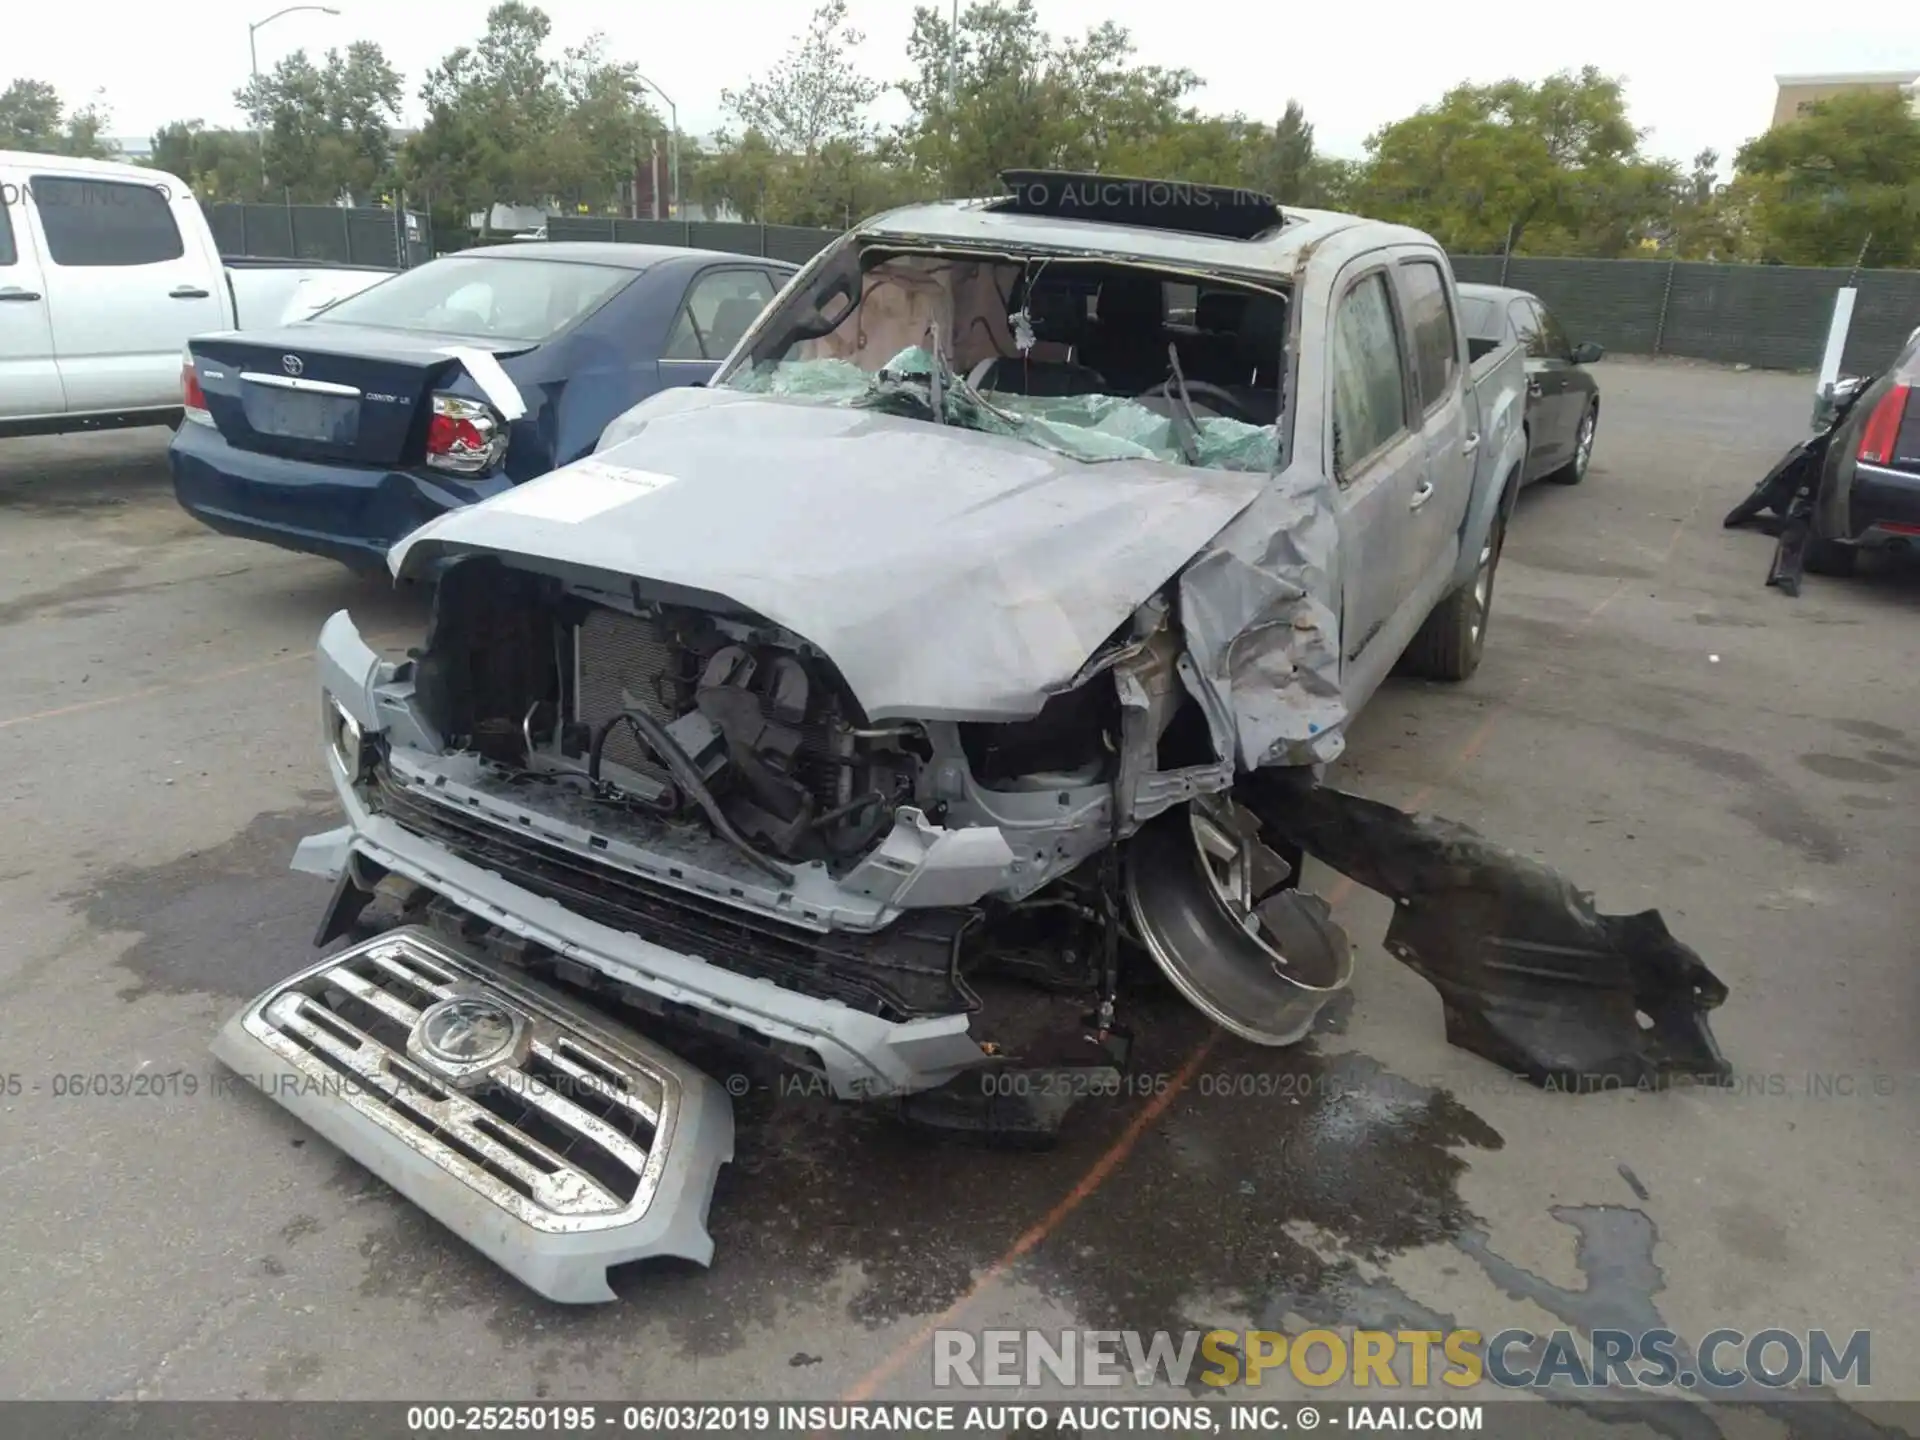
(1586, 352)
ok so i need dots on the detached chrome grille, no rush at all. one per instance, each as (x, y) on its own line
(565, 1128)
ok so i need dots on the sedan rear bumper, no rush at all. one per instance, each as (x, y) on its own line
(1884, 505)
(348, 513)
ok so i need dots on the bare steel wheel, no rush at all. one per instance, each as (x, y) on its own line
(1212, 905)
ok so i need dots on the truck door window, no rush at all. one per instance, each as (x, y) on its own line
(1436, 344)
(105, 222)
(1369, 385)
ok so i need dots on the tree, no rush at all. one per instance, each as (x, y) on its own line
(325, 130)
(1286, 169)
(602, 128)
(507, 124)
(1838, 185)
(33, 118)
(218, 164)
(805, 154)
(1001, 93)
(1708, 220)
(1489, 166)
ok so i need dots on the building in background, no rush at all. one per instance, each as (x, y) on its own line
(1797, 92)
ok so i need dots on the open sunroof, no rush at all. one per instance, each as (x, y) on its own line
(1216, 210)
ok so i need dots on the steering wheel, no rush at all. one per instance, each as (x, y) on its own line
(1216, 397)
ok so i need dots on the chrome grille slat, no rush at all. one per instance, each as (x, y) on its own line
(416, 975)
(563, 1110)
(556, 1056)
(386, 1003)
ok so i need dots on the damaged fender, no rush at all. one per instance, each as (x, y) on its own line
(1532, 976)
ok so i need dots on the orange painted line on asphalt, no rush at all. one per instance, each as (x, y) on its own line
(170, 687)
(1044, 1226)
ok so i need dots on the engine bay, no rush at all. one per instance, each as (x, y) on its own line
(701, 778)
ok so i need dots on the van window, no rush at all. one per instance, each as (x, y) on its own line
(105, 222)
(8, 255)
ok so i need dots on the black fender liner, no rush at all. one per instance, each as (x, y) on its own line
(1531, 975)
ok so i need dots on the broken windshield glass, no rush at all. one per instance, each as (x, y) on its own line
(1077, 357)
(1086, 427)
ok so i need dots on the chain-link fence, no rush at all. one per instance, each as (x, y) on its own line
(367, 235)
(1773, 316)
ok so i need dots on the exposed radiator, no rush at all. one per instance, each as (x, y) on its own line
(622, 661)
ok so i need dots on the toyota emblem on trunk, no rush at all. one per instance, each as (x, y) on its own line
(292, 364)
(468, 1031)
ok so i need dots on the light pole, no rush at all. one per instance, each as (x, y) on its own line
(253, 53)
(673, 138)
(253, 60)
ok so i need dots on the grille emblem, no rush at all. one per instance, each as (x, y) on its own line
(292, 364)
(467, 1031)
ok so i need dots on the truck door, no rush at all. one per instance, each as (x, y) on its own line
(1448, 427)
(1379, 457)
(126, 289)
(29, 380)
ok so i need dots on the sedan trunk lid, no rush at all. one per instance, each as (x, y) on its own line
(330, 392)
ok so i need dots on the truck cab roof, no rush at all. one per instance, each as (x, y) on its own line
(98, 169)
(1193, 235)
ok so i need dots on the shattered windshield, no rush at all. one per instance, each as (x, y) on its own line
(1087, 361)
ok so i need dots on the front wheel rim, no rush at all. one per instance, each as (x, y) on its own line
(1583, 452)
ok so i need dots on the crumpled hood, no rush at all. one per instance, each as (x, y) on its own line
(949, 574)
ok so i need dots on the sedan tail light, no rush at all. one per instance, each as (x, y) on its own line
(464, 436)
(1877, 441)
(193, 399)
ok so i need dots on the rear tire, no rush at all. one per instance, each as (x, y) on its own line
(1829, 557)
(1575, 470)
(1449, 646)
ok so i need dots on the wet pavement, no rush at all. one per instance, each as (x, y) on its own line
(1649, 719)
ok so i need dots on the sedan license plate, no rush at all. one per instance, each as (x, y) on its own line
(303, 415)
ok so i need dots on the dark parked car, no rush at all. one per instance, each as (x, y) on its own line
(444, 385)
(1563, 401)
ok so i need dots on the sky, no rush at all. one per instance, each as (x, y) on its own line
(1693, 79)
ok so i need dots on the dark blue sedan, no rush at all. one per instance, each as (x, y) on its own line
(445, 385)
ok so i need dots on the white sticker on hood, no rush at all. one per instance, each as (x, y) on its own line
(583, 490)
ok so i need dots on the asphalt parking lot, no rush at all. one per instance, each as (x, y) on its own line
(1649, 718)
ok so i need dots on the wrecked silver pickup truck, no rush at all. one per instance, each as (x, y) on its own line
(980, 630)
